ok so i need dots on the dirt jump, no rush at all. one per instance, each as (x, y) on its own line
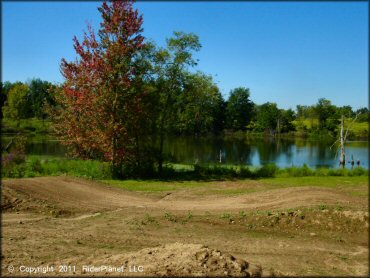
(76, 222)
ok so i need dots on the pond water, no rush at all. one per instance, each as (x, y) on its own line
(255, 152)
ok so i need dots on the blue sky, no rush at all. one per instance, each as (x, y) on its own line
(285, 52)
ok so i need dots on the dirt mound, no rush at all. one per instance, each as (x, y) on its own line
(360, 215)
(180, 259)
(65, 195)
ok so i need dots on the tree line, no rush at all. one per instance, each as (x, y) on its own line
(123, 95)
(202, 109)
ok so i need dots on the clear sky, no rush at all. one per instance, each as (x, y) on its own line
(285, 52)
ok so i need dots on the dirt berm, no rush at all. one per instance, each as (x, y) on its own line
(179, 259)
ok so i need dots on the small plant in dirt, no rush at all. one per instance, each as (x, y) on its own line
(339, 208)
(149, 220)
(227, 215)
(322, 207)
(168, 216)
(190, 215)
(339, 239)
(242, 214)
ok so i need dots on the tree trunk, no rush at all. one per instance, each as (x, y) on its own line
(160, 158)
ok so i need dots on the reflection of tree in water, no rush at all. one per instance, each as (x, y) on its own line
(45, 147)
(207, 150)
(237, 152)
(191, 149)
(286, 147)
(270, 149)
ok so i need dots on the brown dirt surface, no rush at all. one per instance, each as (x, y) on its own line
(178, 259)
(71, 194)
(293, 231)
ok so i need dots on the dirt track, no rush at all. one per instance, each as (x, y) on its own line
(72, 221)
(82, 195)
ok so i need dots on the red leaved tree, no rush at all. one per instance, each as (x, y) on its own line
(101, 103)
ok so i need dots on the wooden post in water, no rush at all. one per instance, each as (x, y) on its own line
(342, 143)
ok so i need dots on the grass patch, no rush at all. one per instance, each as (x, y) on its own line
(329, 182)
(154, 185)
(37, 166)
(32, 125)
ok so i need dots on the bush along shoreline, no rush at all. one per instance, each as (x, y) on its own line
(17, 165)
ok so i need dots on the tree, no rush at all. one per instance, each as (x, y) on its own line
(201, 101)
(5, 89)
(345, 111)
(363, 114)
(267, 117)
(286, 120)
(171, 68)
(239, 109)
(101, 106)
(18, 104)
(40, 96)
(324, 110)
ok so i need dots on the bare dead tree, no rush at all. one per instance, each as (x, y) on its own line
(342, 140)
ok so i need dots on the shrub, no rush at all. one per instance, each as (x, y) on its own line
(267, 171)
(13, 164)
(245, 172)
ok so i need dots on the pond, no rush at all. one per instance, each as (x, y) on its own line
(255, 152)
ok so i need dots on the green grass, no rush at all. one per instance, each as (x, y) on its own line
(36, 166)
(327, 182)
(32, 125)
(358, 130)
(352, 185)
(155, 185)
(181, 176)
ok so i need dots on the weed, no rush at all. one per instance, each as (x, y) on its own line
(242, 214)
(149, 220)
(322, 207)
(227, 215)
(168, 216)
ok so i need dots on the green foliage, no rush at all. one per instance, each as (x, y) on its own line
(227, 215)
(363, 115)
(306, 171)
(40, 96)
(36, 166)
(18, 104)
(170, 217)
(242, 214)
(267, 171)
(286, 120)
(30, 125)
(267, 117)
(298, 171)
(13, 163)
(239, 109)
(201, 102)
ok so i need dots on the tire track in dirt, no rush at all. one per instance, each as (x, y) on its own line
(91, 197)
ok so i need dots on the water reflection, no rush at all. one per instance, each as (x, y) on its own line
(258, 151)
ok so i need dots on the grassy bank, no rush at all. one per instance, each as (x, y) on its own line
(32, 125)
(35, 166)
(354, 186)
